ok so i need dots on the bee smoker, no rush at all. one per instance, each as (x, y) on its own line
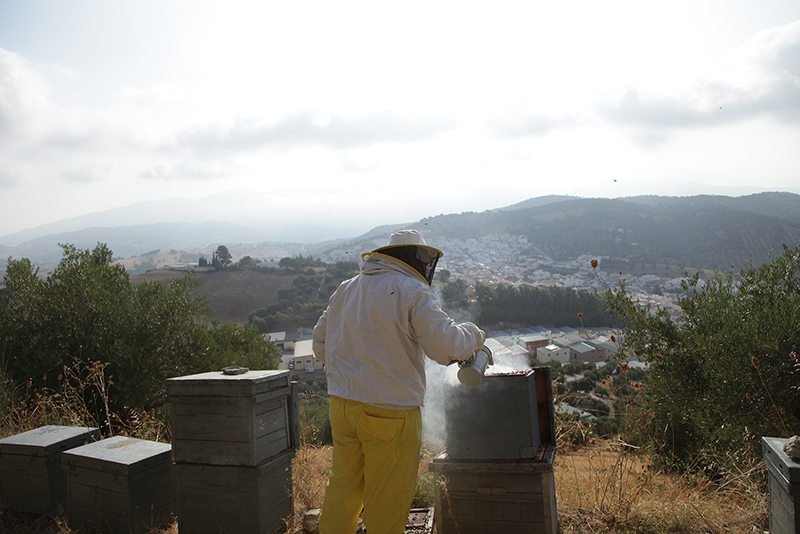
(472, 369)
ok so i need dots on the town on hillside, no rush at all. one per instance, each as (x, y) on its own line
(511, 260)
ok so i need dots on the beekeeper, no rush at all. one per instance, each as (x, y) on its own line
(373, 338)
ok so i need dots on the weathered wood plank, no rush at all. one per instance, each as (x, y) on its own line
(219, 428)
(248, 500)
(122, 484)
(217, 384)
(784, 489)
(515, 497)
(31, 478)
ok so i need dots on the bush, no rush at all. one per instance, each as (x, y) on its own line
(315, 424)
(726, 372)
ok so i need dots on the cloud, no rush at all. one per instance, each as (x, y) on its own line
(161, 94)
(8, 179)
(305, 128)
(90, 173)
(522, 124)
(760, 79)
(24, 96)
(777, 48)
(191, 170)
(350, 164)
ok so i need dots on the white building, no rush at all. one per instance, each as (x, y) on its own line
(553, 352)
(303, 359)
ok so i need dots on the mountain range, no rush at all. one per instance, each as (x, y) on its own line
(706, 231)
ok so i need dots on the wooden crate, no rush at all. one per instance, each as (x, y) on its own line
(242, 420)
(120, 485)
(506, 417)
(31, 478)
(513, 497)
(784, 487)
(214, 499)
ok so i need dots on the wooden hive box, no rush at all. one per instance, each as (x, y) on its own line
(506, 417)
(212, 499)
(513, 497)
(120, 485)
(243, 420)
(784, 487)
(31, 478)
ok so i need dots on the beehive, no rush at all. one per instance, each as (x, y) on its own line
(513, 497)
(784, 487)
(31, 478)
(242, 500)
(119, 485)
(238, 420)
(506, 417)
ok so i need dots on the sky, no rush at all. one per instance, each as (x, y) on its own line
(354, 113)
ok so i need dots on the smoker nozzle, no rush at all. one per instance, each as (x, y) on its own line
(472, 369)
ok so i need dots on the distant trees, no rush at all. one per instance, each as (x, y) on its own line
(454, 294)
(221, 259)
(554, 306)
(247, 262)
(298, 263)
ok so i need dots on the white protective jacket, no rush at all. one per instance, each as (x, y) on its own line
(377, 330)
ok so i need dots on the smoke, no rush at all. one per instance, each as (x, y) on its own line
(440, 380)
(506, 362)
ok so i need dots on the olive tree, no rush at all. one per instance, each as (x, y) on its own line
(725, 372)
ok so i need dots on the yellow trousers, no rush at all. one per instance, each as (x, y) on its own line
(375, 464)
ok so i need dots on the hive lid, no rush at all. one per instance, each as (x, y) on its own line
(48, 441)
(219, 384)
(780, 462)
(118, 455)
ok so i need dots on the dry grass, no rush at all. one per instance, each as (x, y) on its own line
(310, 469)
(232, 295)
(601, 488)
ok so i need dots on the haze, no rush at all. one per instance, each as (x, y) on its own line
(355, 114)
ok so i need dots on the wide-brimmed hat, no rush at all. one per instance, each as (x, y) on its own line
(406, 238)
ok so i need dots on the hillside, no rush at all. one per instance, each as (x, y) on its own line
(705, 232)
(232, 295)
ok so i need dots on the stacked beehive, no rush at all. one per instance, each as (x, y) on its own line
(497, 473)
(233, 439)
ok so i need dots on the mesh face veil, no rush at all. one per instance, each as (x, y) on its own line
(430, 259)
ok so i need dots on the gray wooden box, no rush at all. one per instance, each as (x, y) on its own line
(214, 499)
(506, 417)
(119, 485)
(513, 497)
(31, 478)
(784, 487)
(243, 420)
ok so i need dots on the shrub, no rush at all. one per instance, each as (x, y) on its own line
(725, 373)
